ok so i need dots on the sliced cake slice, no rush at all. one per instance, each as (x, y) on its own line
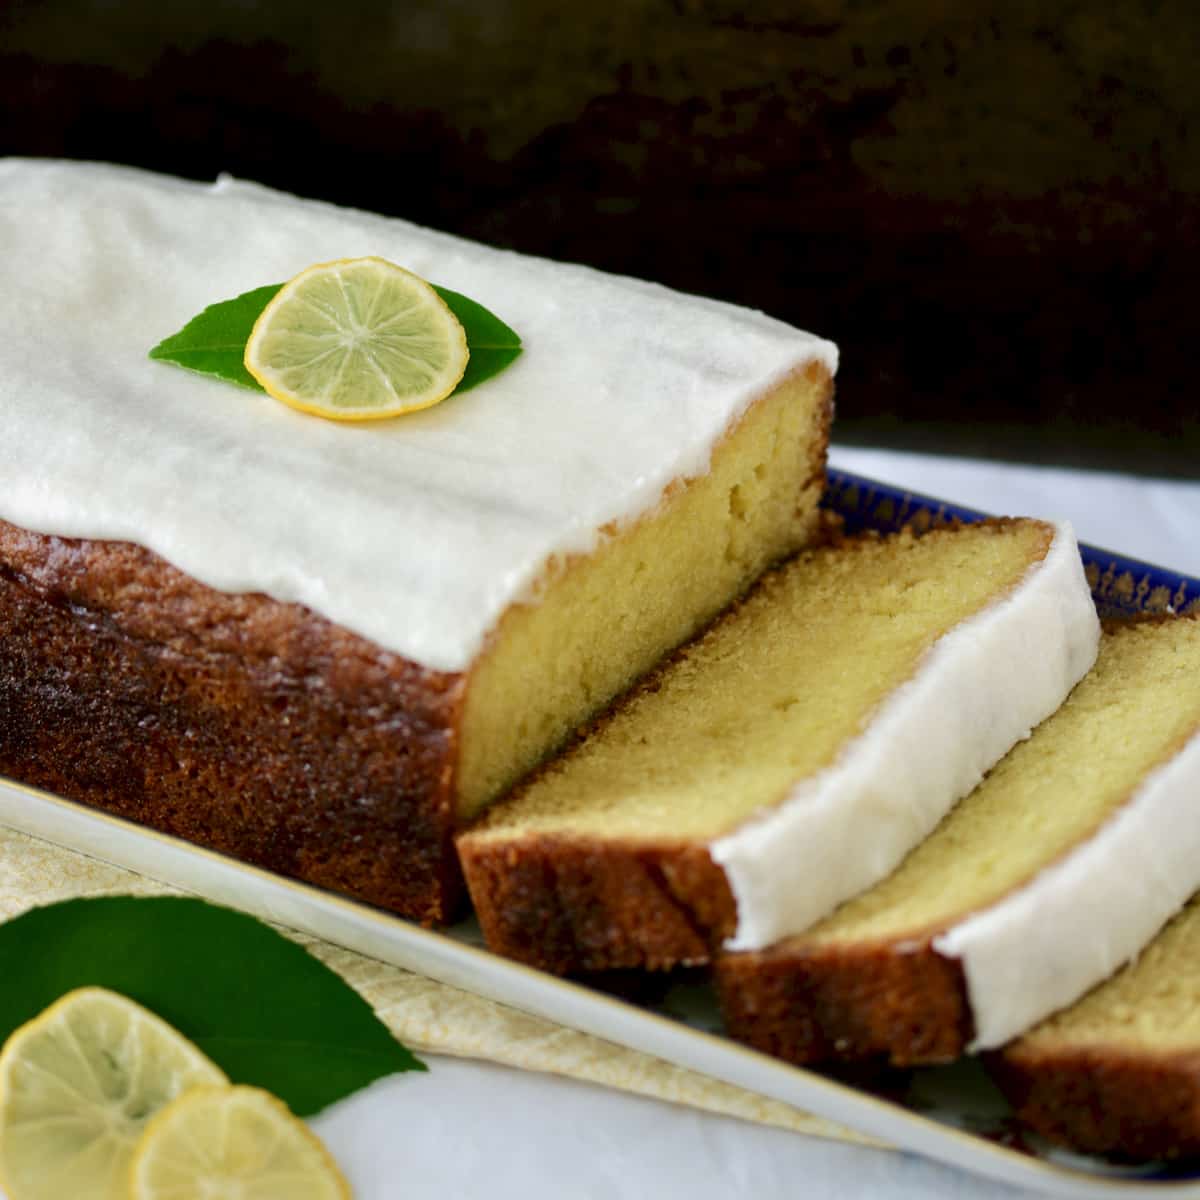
(1119, 1072)
(1058, 869)
(791, 756)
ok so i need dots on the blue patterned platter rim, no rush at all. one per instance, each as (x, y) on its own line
(1121, 586)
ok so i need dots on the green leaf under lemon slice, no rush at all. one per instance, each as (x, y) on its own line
(214, 343)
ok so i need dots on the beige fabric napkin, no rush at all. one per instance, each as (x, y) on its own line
(422, 1013)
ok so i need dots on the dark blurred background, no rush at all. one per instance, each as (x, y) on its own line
(991, 204)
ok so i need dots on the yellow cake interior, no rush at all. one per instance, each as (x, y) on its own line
(602, 621)
(1135, 709)
(1152, 1005)
(772, 692)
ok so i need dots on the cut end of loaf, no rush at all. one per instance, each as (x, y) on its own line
(601, 621)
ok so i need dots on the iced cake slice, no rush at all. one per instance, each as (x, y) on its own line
(1058, 869)
(317, 646)
(1118, 1073)
(789, 757)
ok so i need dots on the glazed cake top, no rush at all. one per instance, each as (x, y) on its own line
(416, 533)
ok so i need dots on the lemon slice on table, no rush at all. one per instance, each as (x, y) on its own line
(77, 1085)
(233, 1143)
(357, 340)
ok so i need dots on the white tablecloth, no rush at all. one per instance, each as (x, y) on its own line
(475, 1130)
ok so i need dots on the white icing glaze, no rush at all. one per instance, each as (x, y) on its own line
(981, 688)
(1076, 922)
(416, 533)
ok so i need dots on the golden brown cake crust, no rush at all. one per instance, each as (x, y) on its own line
(246, 725)
(1105, 1100)
(899, 1002)
(570, 906)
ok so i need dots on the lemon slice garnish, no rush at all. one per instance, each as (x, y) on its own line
(77, 1085)
(239, 1143)
(357, 340)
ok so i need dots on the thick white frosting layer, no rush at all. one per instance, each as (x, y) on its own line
(1076, 922)
(980, 689)
(416, 533)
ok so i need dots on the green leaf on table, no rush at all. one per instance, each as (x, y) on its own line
(259, 1005)
(214, 343)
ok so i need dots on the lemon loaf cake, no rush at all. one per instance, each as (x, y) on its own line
(320, 646)
(1118, 1073)
(1069, 857)
(790, 756)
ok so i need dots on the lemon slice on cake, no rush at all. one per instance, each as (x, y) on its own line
(358, 339)
(234, 1143)
(78, 1084)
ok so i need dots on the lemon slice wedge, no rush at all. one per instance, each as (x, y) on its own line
(233, 1143)
(77, 1085)
(358, 339)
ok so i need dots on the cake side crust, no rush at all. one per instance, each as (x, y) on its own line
(898, 1002)
(1105, 1100)
(574, 905)
(248, 726)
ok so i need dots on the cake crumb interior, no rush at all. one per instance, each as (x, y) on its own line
(1136, 707)
(773, 691)
(602, 621)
